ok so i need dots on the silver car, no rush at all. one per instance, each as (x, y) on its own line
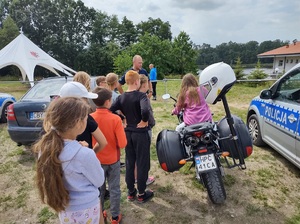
(273, 116)
(25, 117)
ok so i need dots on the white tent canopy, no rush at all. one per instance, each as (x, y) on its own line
(24, 54)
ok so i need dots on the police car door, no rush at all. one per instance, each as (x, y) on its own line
(298, 142)
(282, 116)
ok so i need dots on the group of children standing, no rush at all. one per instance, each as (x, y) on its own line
(86, 152)
(82, 144)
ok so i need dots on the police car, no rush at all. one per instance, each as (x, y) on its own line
(273, 116)
(5, 100)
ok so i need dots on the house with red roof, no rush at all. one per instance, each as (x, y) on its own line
(285, 57)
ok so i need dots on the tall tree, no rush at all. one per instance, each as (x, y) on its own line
(113, 29)
(100, 29)
(155, 51)
(238, 70)
(184, 55)
(128, 33)
(97, 59)
(4, 4)
(207, 55)
(8, 32)
(155, 27)
(122, 62)
(250, 52)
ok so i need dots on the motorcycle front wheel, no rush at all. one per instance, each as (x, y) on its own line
(215, 187)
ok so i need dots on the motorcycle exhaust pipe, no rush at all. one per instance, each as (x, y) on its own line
(193, 141)
(207, 138)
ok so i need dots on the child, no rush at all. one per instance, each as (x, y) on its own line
(192, 101)
(77, 89)
(66, 181)
(136, 106)
(112, 83)
(151, 122)
(85, 79)
(112, 128)
(101, 81)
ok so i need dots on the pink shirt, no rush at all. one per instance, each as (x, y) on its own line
(195, 113)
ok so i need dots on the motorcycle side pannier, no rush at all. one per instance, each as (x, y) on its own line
(169, 150)
(244, 140)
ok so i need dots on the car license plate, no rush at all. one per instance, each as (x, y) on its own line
(36, 115)
(205, 162)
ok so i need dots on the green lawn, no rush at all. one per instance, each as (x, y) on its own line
(263, 193)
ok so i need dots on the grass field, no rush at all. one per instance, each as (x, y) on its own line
(266, 192)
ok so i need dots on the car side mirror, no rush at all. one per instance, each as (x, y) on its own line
(266, 94)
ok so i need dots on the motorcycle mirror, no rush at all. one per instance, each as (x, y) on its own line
(166, 96)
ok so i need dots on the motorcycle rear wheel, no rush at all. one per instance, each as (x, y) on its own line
(215, 187)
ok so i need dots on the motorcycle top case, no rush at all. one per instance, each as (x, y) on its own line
(169, 150)
(244, 141)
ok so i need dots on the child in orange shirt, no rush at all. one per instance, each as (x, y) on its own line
(113, 130)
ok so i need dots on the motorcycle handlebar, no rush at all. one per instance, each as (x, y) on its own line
(173, 99)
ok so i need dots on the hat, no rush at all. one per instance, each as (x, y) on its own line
(76, 89)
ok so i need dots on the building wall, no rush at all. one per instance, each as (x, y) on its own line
(283, 64)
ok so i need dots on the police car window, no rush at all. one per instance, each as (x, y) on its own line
(289, 88)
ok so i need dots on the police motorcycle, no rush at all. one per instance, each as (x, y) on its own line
(208, 145)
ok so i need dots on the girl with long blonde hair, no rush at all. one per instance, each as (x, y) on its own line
(68, 175)
(84, 78)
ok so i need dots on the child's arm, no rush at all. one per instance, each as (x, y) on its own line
(84, 143)
(142, 124)
(145, 108)
(101, 140)
(120, 135)
(115, 105)
(93, 169)
(175, 110)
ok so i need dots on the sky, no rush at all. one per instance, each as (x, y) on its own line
(214, 21)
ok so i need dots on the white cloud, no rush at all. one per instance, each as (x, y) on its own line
(214, 21)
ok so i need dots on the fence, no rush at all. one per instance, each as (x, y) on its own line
(252, 82)
(165, 81)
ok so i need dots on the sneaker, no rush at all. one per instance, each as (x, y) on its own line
(150, 180)
(116, 221)
(104, 214)
(145, 197)
(131, 195)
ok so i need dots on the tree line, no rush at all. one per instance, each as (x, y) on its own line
(87, 39)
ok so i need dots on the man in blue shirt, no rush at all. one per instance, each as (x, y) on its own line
(153, 79)
(137, 63)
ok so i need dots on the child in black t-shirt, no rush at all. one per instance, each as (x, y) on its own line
(135, 105)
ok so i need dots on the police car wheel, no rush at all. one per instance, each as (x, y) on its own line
(3, 118)
(254, 130)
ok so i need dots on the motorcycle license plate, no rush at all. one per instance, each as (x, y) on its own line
(205, 162)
